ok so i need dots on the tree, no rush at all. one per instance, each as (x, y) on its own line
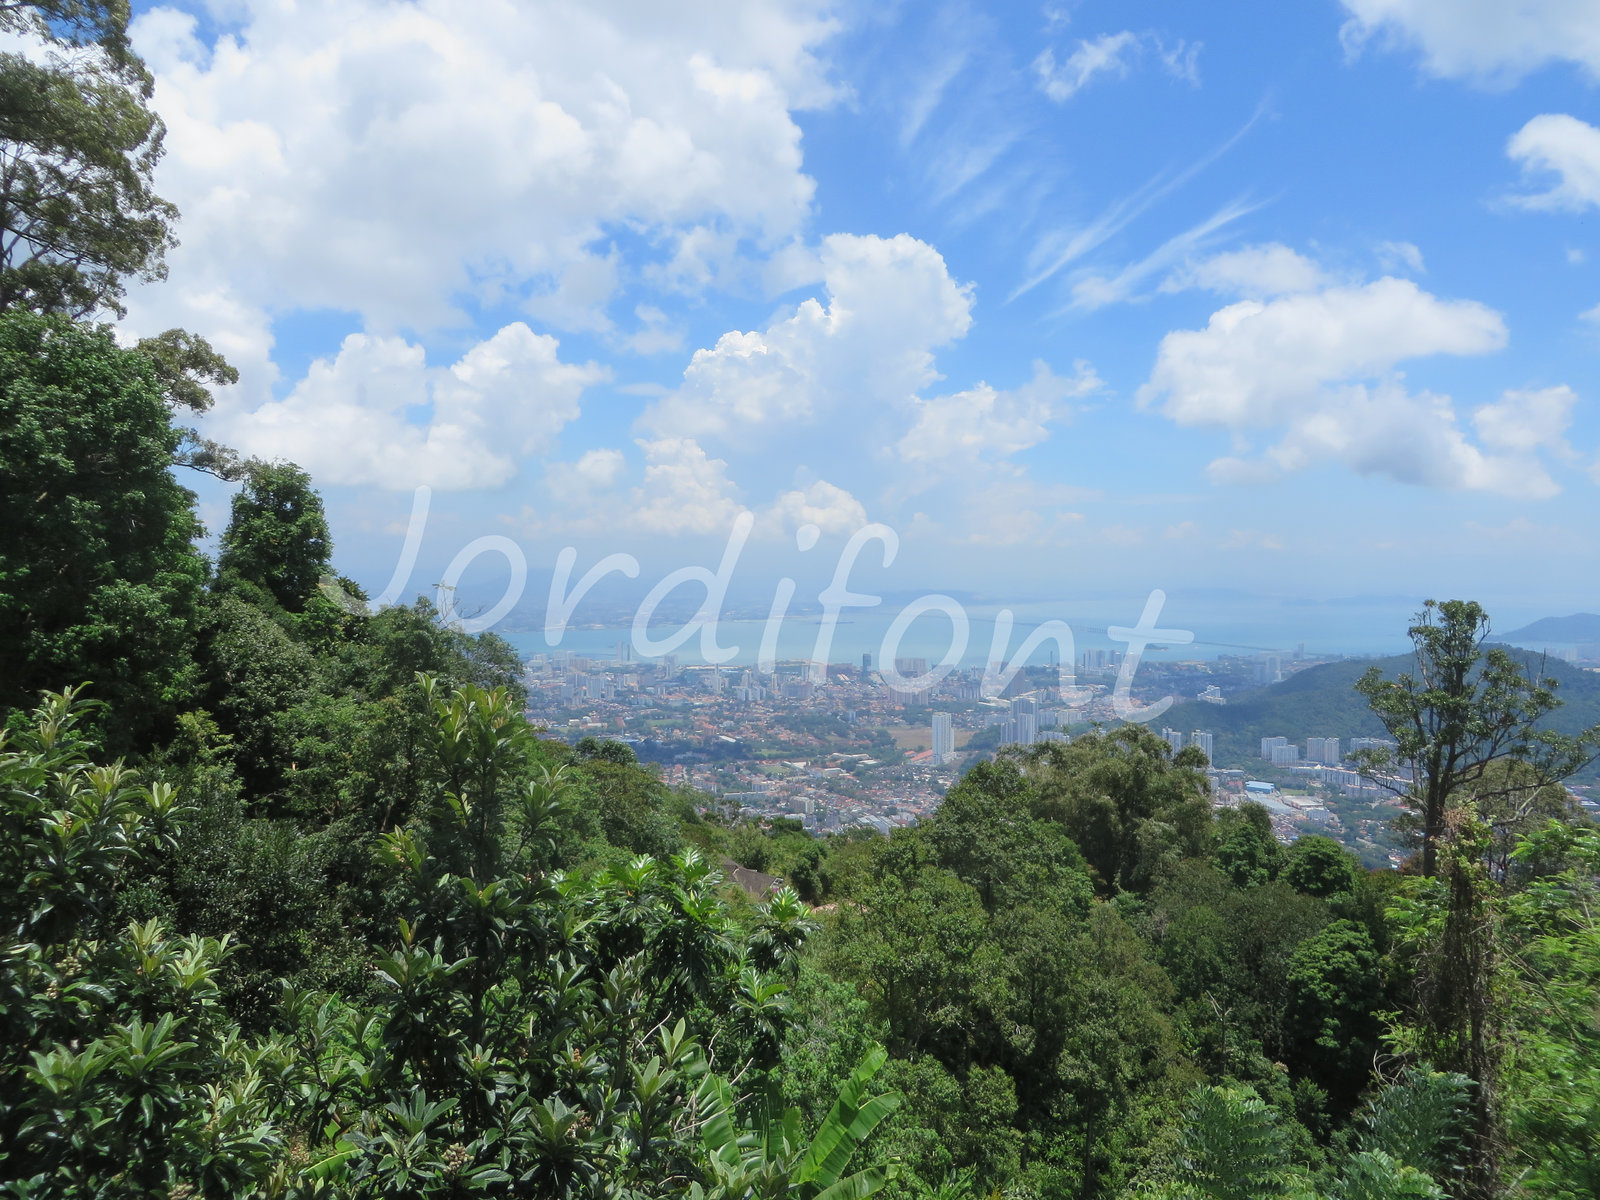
(1319, 866)
(550, 1035)
(1334, 987)
(1132, 807)
(277, 537)
(1552, 1073)
(1468, 726)
(99, 578)
(1247, 851)
(986, 832)
(1468, 707)
(78, 149)
(1234, 1147)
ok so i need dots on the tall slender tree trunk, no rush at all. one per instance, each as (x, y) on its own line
(1464, 1014)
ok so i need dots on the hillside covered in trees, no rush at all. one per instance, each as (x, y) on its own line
(297, 903)
(1321, 701)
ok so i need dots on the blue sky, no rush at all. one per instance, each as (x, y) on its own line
(1080, 299)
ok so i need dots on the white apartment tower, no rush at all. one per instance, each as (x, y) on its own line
(944, 738)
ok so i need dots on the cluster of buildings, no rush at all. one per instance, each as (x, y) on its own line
(835, 749)
(839, 747)
(1281, 752)
(1200, 738)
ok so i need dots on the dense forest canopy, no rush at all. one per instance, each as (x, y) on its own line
(297, 902)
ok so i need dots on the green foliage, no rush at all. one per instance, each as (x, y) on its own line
(605, 750)
(277, 537)
(1319, 866)
(1468, 707)
(69, 827)
(1234, 1147)
(776, 1161)
(1552, 1071)
(1334, 990)
(1028, 1022)
(1130, 808)
(991, 833)
(98, 577)
(530, 1032)
(78, 213)
(1420, 1120)
(1247, 852)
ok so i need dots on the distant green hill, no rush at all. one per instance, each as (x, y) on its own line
(1579, 627)
(1322, 702)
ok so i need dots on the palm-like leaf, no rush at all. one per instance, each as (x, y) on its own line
(853, 1117)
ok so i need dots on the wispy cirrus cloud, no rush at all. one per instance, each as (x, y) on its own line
(1094, 290)
(1061, 77)
(1059, 248)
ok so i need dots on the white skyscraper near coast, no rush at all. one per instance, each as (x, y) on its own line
(944, 738)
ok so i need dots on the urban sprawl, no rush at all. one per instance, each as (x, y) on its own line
(840, 749)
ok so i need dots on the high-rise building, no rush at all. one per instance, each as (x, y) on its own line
(1099, 660)
(1270, 744)
(1025, 713)
(1285, 756)
(1323, 750)
(1365, 743)
(1173, 738)
(944, 738)
(866, 661)
(1268, 668)
(1205, 741)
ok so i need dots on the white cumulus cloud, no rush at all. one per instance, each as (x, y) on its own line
(986, 423)
(826, 505)
(1388, 432)
(1525, 421)
(890, 303)
(409, 161)
(1317, 368)
(1495, 41)
(377, 414)
(1560, 145)
(684, 491)
(1255, 359)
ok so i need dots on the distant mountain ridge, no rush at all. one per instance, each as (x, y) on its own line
(1579, 627)
(1322, 701)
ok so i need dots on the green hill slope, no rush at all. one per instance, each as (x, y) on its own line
(1579, 627)
(1322, 702)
